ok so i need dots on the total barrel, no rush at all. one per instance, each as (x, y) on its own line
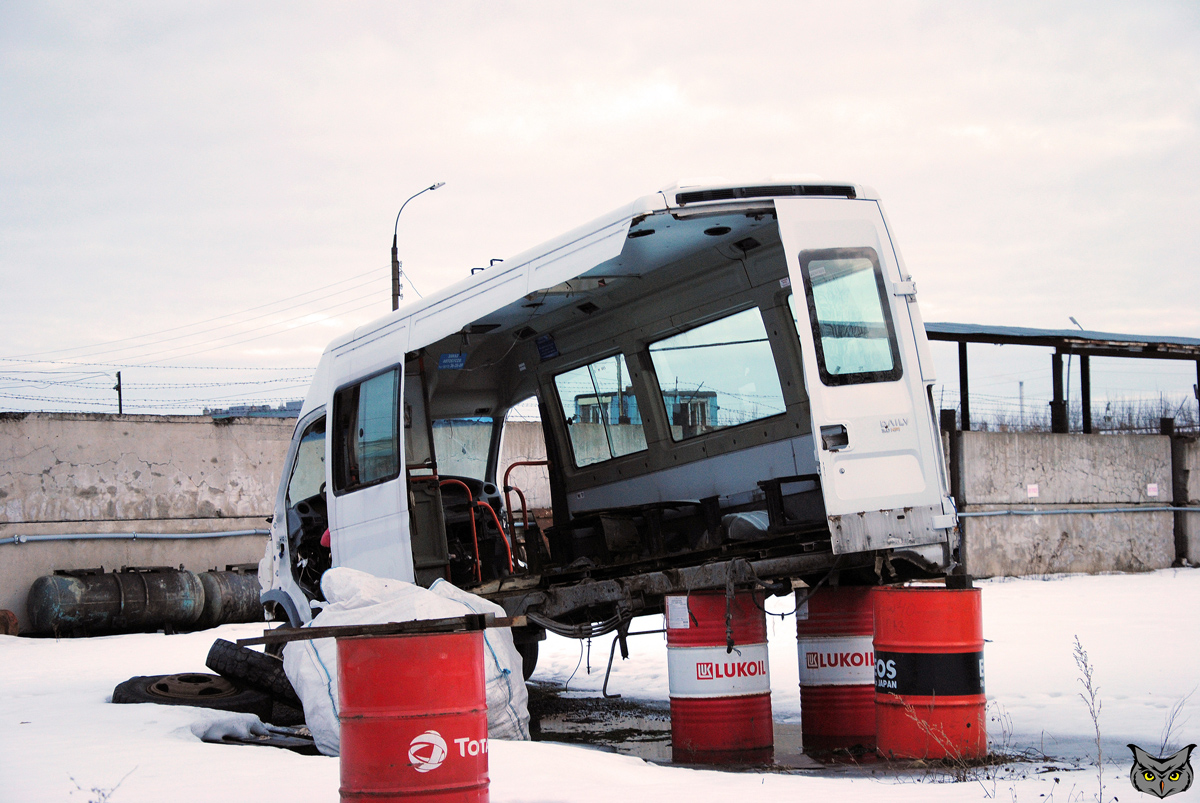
(720, 698)
(413, 711)
(837, 669)
(929, 694)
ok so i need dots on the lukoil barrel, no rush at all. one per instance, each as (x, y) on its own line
(929, 694)
(834, 628)
(413, 712)
(720, 698)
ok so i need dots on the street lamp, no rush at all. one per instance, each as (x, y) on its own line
(396, 292)
(1071, 318)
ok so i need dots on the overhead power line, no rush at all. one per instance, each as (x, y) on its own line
(143, 365)
(206, 320)
(257, 329)
(190, 335)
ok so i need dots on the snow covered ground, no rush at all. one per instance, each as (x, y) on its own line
(61, 740)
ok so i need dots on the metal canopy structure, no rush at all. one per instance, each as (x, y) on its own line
(1083, 343)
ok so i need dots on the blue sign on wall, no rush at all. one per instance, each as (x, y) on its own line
(452, 362)
(547, 350)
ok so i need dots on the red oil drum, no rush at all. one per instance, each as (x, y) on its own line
(720, 700)
(413, 711)
(929, 698)
(837, 669)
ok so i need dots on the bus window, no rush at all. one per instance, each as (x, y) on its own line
(366, 445)
(718, 375)
(601, 411)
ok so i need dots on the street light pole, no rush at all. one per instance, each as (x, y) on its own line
(1071, 318)
(397, 292)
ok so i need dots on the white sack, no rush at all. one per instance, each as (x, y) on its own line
(507, 697)
(354, 597)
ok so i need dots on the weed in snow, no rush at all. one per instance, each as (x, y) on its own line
(98, 793)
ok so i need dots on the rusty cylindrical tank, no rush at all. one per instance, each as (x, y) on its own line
(720, 699)
(229, 597)
(929, 696)
(413, 712)
(837, 669)
(132, 600)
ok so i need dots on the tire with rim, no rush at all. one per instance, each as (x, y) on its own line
(253, 669)
(195, 689)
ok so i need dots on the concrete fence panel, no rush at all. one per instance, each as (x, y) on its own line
(1061, 479)
(525, 441)
(68, 473)
(1188, 483)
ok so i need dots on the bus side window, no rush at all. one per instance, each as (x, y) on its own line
(366, 432)
(308, 472)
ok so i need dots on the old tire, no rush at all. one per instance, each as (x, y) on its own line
(195, 689)
(284, 715)
(529, 658)
(253, 669)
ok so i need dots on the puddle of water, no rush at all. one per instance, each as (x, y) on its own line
(643, 729)
(617, 725)
(643, 737)
(629, 727)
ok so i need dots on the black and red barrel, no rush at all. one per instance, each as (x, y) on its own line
(929, 692)
(720, 697)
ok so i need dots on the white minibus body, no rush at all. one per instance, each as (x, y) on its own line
(734, 388)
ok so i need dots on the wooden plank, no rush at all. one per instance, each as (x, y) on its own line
(457, 624)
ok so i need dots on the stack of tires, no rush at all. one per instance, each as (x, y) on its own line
(247, 681)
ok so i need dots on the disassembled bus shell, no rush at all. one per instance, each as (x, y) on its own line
(733, 384)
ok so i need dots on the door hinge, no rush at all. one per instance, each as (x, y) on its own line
(905, 289)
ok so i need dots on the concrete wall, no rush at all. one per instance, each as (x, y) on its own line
(80, 473)
(1070, 472)
(1187, 470)
(523, 440)
(64, 473)
(1076, 472)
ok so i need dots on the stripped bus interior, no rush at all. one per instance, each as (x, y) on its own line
(670, 384)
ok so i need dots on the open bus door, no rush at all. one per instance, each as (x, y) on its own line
(882, 476)
(369, 519)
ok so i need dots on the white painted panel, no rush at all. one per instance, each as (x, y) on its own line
(712, 672)
(505, 284)
(836, 660)
(891, 460)
(371, 531)
(369, 526)
(722, 475)
(891, 475)
(451, 314)
(578, 256)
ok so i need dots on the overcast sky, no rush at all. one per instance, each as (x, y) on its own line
(222, 176)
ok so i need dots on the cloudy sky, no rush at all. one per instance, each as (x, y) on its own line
(210, 185)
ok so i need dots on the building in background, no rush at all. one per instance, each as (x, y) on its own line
(286, 410)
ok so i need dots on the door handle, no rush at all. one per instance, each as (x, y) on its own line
(834, 437)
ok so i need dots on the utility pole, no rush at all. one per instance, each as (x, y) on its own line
(397, 265)
(397, 273)
(120, 401)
